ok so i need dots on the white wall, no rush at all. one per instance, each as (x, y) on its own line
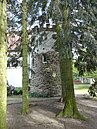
(14, 76)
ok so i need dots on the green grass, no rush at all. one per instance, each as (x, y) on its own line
(81, 88)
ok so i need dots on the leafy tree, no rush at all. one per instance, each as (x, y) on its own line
(3, 64)
(65, 56)
(14, 15)
(25, 103)
(76, 31)
(93, 89)
(73, 32)
(82, 32)
(86, 47)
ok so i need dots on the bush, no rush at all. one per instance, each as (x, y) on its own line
(35, 94)
(18, 91)
(93, 89)
(10, 89)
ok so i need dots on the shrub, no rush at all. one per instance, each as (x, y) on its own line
(18, 91)
(35, 94)
(93, 89)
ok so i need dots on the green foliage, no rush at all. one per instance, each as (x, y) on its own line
(13, 14)
(87, 74)
(91, 74)
(35, 94)
(18, 91)
(75, 73)
(86, 29)
(93, 89)
(86, 63)
(81, 86)
(83, 34)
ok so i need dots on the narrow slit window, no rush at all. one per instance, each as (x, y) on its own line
(44, 58)
(33, 61)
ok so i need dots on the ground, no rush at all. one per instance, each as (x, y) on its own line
(43, 111)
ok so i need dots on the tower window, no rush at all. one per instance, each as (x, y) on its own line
(44, 58)
(33, 61)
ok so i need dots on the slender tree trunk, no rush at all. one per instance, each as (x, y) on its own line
(65, 57)
(3, 64)
(25, 101)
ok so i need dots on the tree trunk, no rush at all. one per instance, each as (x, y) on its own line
(3, 64)
(70, 108)
(25, 101)
(65, 57)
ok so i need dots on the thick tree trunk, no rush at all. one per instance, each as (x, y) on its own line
(65, 57)
(70, 108)
(25, 101)
(3, 64)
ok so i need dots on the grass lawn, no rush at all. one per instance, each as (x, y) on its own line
(81, 88)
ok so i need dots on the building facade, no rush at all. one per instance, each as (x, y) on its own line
(43, 60)
(45, 63)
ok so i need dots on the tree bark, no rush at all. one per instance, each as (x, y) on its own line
(70, 108)
(25, 101)
(3, 64)
(65, 57)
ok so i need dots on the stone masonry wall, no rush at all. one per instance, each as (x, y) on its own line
(46, 80)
